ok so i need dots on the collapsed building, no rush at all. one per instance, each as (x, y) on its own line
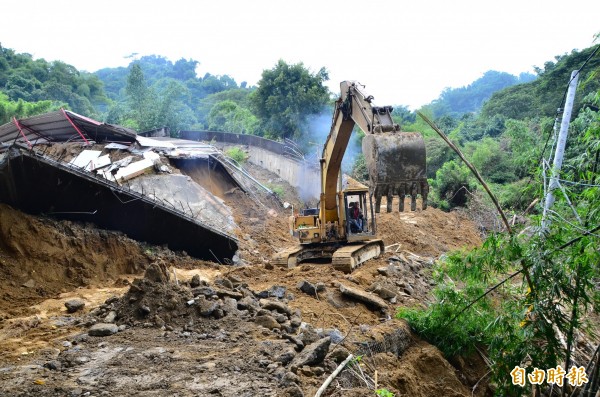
(159, 190)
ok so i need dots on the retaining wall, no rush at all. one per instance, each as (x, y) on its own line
(271, 155)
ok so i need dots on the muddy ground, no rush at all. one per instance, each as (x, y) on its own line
(177, 326)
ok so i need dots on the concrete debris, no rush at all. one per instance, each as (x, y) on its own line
(312, 354)
(363, 296)
(84, 158)
(154, 143)
(132, 170)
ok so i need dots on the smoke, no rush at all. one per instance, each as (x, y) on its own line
(311, 143)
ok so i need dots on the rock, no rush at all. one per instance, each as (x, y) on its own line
(110, 317)
(277, 291)
(384, 293)
(29, 283)
(74, 305)
(248, 303)
(206, 291)
(224, 283)
(298, 344)
(53, 365)
(144, 310)
(206, 307)
(312, 354)
(286, 357)
(277, 306)
(221, 293)
(103, 329)
(338, 355)
(320, 286)
(295, 321)
(157, 272)
(334, 333)
(363, 296)
(195, 282)
(289, 378)
(307, 288)
(267, 321)
(309, 335)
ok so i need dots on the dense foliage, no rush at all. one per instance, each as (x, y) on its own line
(543, 282)
(24, 79)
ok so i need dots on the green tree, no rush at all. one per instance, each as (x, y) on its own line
(230, 117)
(286, 96)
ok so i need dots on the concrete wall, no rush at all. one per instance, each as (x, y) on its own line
(270, 155)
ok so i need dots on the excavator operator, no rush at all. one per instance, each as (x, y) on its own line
(356, 218)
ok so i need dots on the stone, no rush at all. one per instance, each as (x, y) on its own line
(363, 296)
(307, 288)
(206, 291)
(221, 293)
(277, 306)
(103, 329)
(298, 344)
(74, 305)
(144, 310)
(320, 286)
(248, 303)
(267, 321)
(338, 355)
(286, 357)
(277, 291)
(384, 293)
(157, 272)
(334, 333)
(110, 317)
(53, 365)
(29, 283)
(289, 378)
(195, 282)
(206, 307)
(312, 354)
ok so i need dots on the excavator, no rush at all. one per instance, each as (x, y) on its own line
(342, 228)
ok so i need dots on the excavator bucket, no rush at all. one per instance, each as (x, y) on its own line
(397, 167)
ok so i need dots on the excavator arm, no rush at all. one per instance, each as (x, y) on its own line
(395, 160)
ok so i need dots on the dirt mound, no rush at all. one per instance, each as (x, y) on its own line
(41, 258)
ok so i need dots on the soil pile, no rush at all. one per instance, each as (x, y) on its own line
(41, 258)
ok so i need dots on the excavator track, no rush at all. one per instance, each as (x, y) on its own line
(349, 257)
(344, 258)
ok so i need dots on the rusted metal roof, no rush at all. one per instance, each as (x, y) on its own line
(62, 126)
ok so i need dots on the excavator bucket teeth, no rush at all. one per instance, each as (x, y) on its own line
(397, 167)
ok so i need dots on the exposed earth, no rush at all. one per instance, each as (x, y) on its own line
(160, 323)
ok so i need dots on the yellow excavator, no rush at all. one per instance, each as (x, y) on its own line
(342, 228)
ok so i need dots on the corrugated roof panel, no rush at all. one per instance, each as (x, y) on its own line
(56, 127)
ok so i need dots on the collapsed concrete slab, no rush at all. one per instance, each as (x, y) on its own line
(36, 183)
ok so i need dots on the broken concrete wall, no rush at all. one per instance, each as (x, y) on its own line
(270, 155)
(208, 173)
(36, 184)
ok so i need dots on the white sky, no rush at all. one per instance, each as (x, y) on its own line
(405, 52)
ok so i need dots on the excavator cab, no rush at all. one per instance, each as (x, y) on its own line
(359, 217)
